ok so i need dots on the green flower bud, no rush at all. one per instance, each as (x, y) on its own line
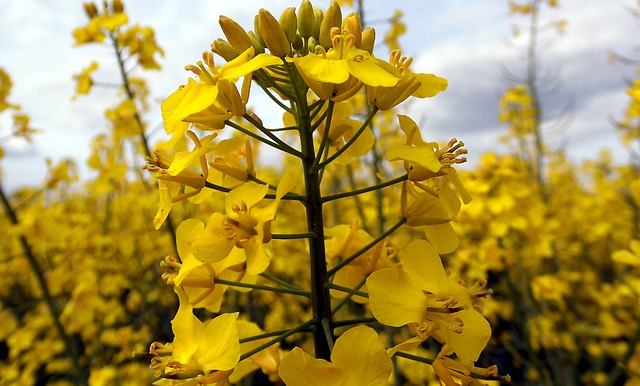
(289, 23)
(273, 34)
(224, 49)
(368, 39)
(306, 20)
(257, 45)
(256, 30)
(318, 14)
(236, 35)
(332, 18)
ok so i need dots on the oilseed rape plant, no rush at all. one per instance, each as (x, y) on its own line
(320, 70)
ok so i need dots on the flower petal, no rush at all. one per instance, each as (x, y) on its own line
(423, 264)
(394, 299)
(298, 368)
(219, 347)
(362, 357)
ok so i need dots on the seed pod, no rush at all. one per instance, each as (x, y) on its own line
(273, 34)
(289, 23)
(332, 18)
(236, 35)
(306, 20)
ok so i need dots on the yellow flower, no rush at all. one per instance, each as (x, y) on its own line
(210, 348)
(267, 360)
(343, 241)
(245, 225)
(197, 278)
(358, 358)
(215, 98)
(84, 81)
(176, 175)
(419, 293)
(339, 73)
(410, 84)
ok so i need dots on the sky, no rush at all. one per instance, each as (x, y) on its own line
(468, 42)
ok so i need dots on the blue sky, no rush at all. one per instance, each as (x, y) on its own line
(466, 42)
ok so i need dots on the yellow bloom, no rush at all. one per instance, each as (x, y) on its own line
(211, 348)
(215, 98)
(419, 293)
(176, 175)
(410, 84)
(340, 72)
(84, 81)
(267, 360)
(245, 225)
(343, 241)
(197, 278)
(358, 358)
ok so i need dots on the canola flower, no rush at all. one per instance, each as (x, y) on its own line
(313, 65)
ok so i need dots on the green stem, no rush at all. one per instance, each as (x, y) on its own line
(351, 322)
(347, 145)
(287, 148)
(351, 258)
(289, 291)
(301, 328)
(224, 189)
(320, 299)
(381, 185)
(347, 290)
(255, 136)
(280, 281)
(346, 299)
(71, 348)
(262, 336)
(325, 135)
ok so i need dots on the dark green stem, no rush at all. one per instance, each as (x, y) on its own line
(351, 322)
(320, 299)
(381, 185)
(364, 249)
(289, 291)
(347, 145)
(301, 328)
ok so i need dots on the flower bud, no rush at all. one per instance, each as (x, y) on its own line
(318, 14)
(273, 34)
(90, 9)
(354, 27)
(298, 43)
(332, 18)
(257, 45)
(224, 49)
(368, 39)
(236, 35)
(289, 23)
(117, 6)
(256, 29)
(306, 20)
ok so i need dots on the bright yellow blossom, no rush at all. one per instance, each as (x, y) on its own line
(358, 358)
(211, 349)
(339, 73)
(419, 293)
(245, 225)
